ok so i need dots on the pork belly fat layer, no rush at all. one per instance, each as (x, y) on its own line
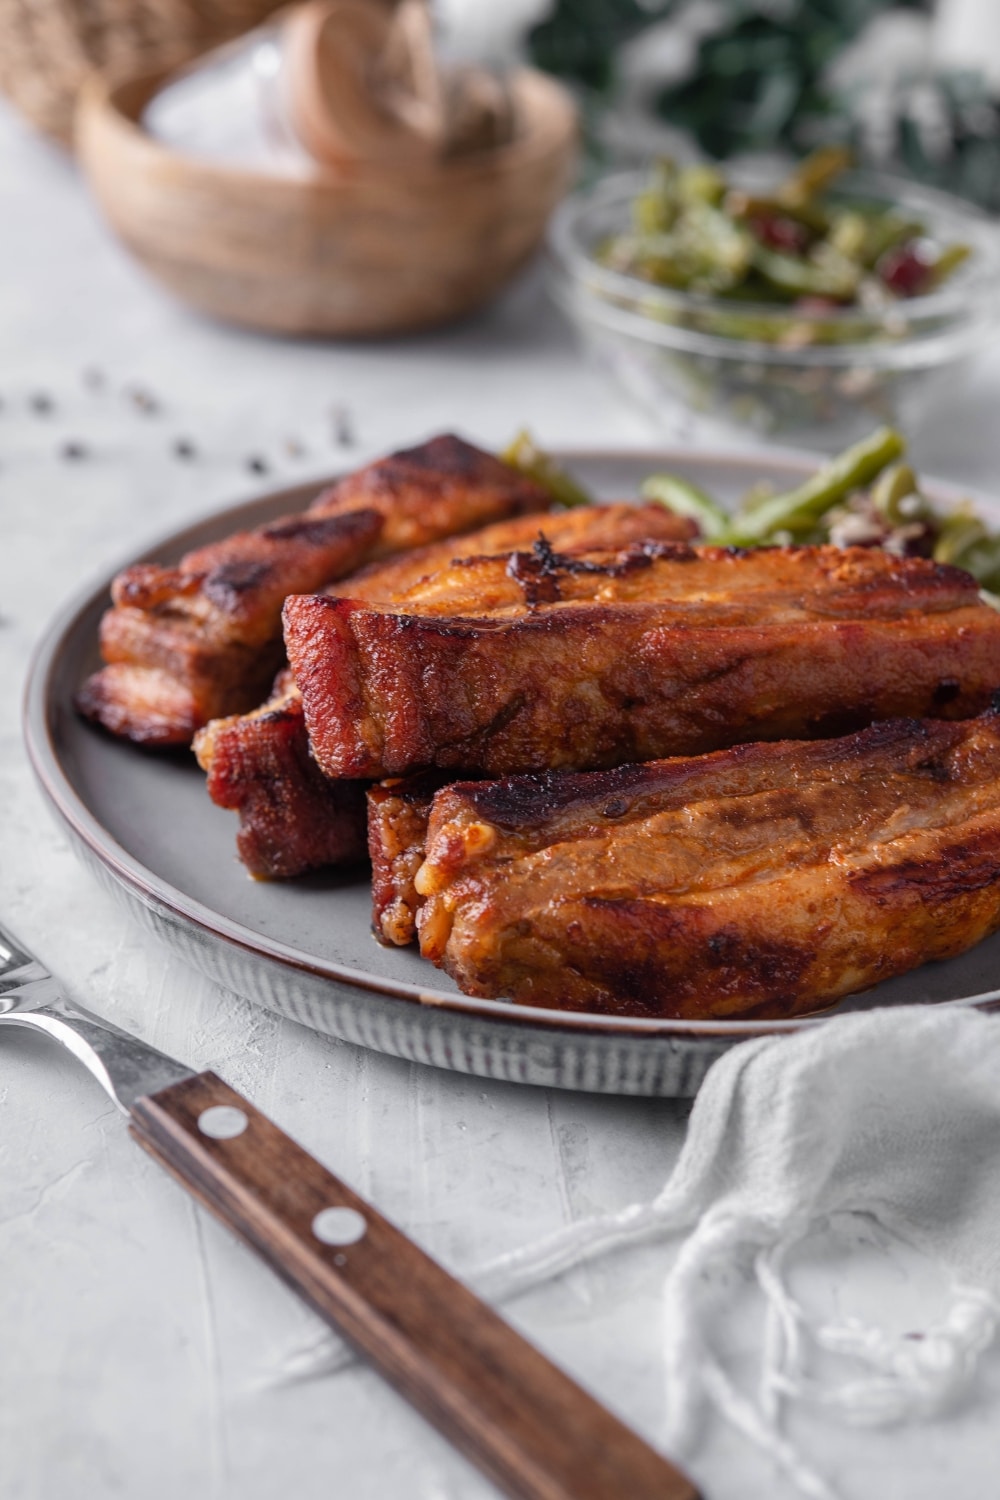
(764, 881)
(660, 650)
(398, 812)
(437, 489)
(293, 818)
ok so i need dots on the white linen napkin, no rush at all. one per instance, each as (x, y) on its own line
(892, 1113)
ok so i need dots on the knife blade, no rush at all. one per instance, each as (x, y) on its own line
(517, 1416)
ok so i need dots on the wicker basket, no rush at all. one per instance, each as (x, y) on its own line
(49, 47)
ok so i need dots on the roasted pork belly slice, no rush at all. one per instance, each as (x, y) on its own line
(588, 527)
(762, 881)
(187, 644)
(255, 743)
(293, 818)
(438, 489)
(203, 639)
(598, 659)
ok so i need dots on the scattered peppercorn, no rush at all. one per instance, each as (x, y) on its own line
(73, 451)
(257, 465)
(142, 400)
(184, 449)
(343, 427)
(294, 448)
(42, 404)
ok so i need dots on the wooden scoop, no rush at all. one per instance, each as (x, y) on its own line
(363, 83)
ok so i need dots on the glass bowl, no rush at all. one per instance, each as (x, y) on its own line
(824, 376)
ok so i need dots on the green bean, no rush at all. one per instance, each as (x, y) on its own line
(885, 229)
(895, 484)
(524, 454)
(815, 173)
(798, 510)
(686, 499)
(960, 531)
(743, 205)
(966, 542)
(832, 276)
(701, 184)
(950, 259)
(849, 234)
(983, 562)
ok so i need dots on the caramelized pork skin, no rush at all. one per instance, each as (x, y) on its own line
(183, 645)
(439, 489)
(597, 659)
(762, 881)
(292, 817)
(241, 753)
(201, 640)
(588, 527)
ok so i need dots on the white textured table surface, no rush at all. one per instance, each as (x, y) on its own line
(142, 1352)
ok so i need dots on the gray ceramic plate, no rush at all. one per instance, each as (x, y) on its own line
(145, 827)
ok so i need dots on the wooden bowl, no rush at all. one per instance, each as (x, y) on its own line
(359, 253)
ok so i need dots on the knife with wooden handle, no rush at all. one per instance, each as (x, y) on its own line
(525, 1423)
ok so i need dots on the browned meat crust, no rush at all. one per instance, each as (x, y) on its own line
(590, 527)
(247, 749)
(292, 817)
(762, 881)
(187, 644)
(443, 487)
(598, 659)
(398, 812)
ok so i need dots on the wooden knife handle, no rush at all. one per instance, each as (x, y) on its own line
(535, 1433)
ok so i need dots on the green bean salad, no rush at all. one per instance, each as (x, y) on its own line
(693, 231)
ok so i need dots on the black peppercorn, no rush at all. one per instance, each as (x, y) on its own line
(142, 400)
(343, 427)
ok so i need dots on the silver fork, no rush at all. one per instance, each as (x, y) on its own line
(526, 1424)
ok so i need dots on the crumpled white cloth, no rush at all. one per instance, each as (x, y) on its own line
(892, 1113)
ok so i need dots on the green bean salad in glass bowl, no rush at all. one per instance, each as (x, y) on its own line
(805, 306)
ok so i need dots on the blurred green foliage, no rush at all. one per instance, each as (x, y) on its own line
(758, 84)
(757, 81)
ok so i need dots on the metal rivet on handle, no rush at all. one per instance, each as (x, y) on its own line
(222, 1122)
(339, 1226)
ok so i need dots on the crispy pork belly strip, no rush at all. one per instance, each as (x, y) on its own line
(202, 640)
(187, 644)
(661, 650)
(398, 812)
(310, 833)
(292, 817)
(766, 880)
(611, 526)
(443, 487)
